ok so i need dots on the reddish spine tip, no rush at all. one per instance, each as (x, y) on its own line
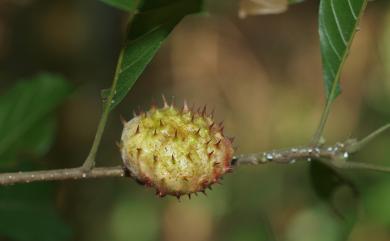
(212, 114)
(229, 169)
(204, 110)
(164, 101)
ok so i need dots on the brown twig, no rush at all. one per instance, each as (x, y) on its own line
(60, 174)
(336, 155)
(332, 153)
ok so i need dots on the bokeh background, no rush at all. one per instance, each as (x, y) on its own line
(262, 74)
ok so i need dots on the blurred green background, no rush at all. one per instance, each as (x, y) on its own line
(263, 76)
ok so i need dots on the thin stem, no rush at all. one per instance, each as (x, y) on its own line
(89, 163)
(359, 145)
(320, 129)
(365, 166)
(60, 174)
(332, 94)
(336, 156)
(291, 155)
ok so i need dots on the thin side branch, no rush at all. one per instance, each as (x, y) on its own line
(291, 155)
(60, 174)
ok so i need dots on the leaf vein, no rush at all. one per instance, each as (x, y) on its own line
(333, 47)
(337, 23)
(351, 8)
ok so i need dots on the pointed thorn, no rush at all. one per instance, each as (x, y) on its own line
(172, 101)
(208, 142)
(197, 132)
(210, 154)
(118, 144)
(229, 169)
(137, 130)
(204, 110)
(139, 150)
(173, 159)
(123, 121)
(209, 187)
(218, 143)
(192, 117)
(189, 156)
(153, 104)
(211, 126)
(221, 129)
(164, 101)
(175, 134)
(154, 159)
(161, 123)
(204, 192)
(212, 114)
(155, 132)
(189, 196)
(216, 163)
(185, 106)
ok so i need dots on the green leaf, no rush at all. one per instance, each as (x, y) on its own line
(338, 21)
(149, 29)
(27, 214)
(125, 5)
(337, 191)
(24, 113)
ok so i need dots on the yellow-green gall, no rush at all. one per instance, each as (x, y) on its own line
(177, 151)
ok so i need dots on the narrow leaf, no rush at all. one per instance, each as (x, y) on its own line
(338, 22)
(125, 5)
(148, 31)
